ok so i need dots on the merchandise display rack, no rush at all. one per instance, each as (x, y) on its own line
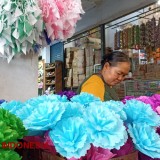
(141, 87)
(53, 76)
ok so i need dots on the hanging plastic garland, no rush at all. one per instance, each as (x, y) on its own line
(21, 27)
(60, 17)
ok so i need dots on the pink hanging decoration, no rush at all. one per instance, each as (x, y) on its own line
(60, 17)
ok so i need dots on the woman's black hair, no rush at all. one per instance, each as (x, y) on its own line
(114, 57)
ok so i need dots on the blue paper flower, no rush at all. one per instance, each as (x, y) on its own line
(45, 116)
(84, 98)
(117, 107)
(12, 106)
(105, 128)
(137, 111)
(145, 139)
(73, 109)
(70, 137)
(46, 98)
(2, 101)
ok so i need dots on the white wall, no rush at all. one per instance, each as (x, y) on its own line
(18, 79)
(107, 11)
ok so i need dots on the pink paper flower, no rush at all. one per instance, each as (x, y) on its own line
(98, 153)
(60, 17)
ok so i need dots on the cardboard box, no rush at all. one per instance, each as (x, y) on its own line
(75, 81)
(68, 60)
(78, 64)
(89, 70)
(132, 156)
(157, 68)
(79, 53)
(89, 61)
(157, 75)
(77, 70)
(69, 72)
(150, 75)
(68, 81)
(71, 49)
(97, 56)
(151, 67)
(81, 77)
(68, 65)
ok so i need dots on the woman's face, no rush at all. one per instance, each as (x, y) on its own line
(115, 74)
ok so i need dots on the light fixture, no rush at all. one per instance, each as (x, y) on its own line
(158, 2)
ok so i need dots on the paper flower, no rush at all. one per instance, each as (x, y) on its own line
(85, 98)
(9, 155)
(11, 127)
(148, 100)
(2, 101)
(117, 107)
(145, 139)
(70, 137)
(21, 27)
(73, 109)
(60, 17)
(158, 109)
(98, 153)
(68, 94)
(12, 106)
(105, 128)
(137, 111)
(126, 98)
(126, 149)
(46, 98)
(45, 116)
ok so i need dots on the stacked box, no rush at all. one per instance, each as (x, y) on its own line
(90, 60)
(97, 56)
(75, 66)
(68, 82)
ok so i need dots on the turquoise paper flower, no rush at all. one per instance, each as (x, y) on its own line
(117, 107)
(105, 128)
(138, 111)
(70, 137)
(44, 116)
(73, 109)
(84, 98)
(12, 106)
(145, 139)
(46, 98)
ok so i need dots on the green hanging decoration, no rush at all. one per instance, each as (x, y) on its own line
(121, 39)
(115, 41)
(130, 37)
(142, 35)
(157, 35)
(21, 27)
(136, 36)
(125, 38)
(153, 31)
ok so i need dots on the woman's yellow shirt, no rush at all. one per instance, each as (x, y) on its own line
(94, 85)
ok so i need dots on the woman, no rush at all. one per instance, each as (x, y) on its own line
(115, 66)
